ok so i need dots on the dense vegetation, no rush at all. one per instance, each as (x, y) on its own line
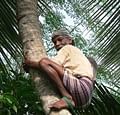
(96, 19)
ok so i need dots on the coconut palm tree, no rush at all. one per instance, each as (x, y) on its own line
(29, 29)
(100, 17)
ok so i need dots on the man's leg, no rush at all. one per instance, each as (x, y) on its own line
(56, 72)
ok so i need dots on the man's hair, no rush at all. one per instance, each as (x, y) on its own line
(64, 33)
(93, 62)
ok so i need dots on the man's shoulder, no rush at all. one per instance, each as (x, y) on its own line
(69, 46)
(72, 47)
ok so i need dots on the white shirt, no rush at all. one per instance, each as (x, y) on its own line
(74, 61)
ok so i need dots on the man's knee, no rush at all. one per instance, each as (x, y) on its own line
(43, 62)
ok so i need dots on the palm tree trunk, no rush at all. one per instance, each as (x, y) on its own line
(29, 29)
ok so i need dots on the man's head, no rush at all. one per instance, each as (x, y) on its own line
(61, 38)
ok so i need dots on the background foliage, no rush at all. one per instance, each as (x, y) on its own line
(95, 28)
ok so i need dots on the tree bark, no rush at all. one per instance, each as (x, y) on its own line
(29, 30)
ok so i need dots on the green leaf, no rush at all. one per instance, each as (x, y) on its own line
(9, 101)
(14, 108)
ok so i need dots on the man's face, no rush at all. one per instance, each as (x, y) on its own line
(61, 41)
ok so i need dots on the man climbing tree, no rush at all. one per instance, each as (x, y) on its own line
(34, 51)
(70, 70)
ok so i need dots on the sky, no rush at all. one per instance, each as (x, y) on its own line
(69, 21)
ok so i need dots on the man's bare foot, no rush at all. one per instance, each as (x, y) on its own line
(62, 103)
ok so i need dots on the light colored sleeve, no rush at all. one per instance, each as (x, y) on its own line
(62, 55)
